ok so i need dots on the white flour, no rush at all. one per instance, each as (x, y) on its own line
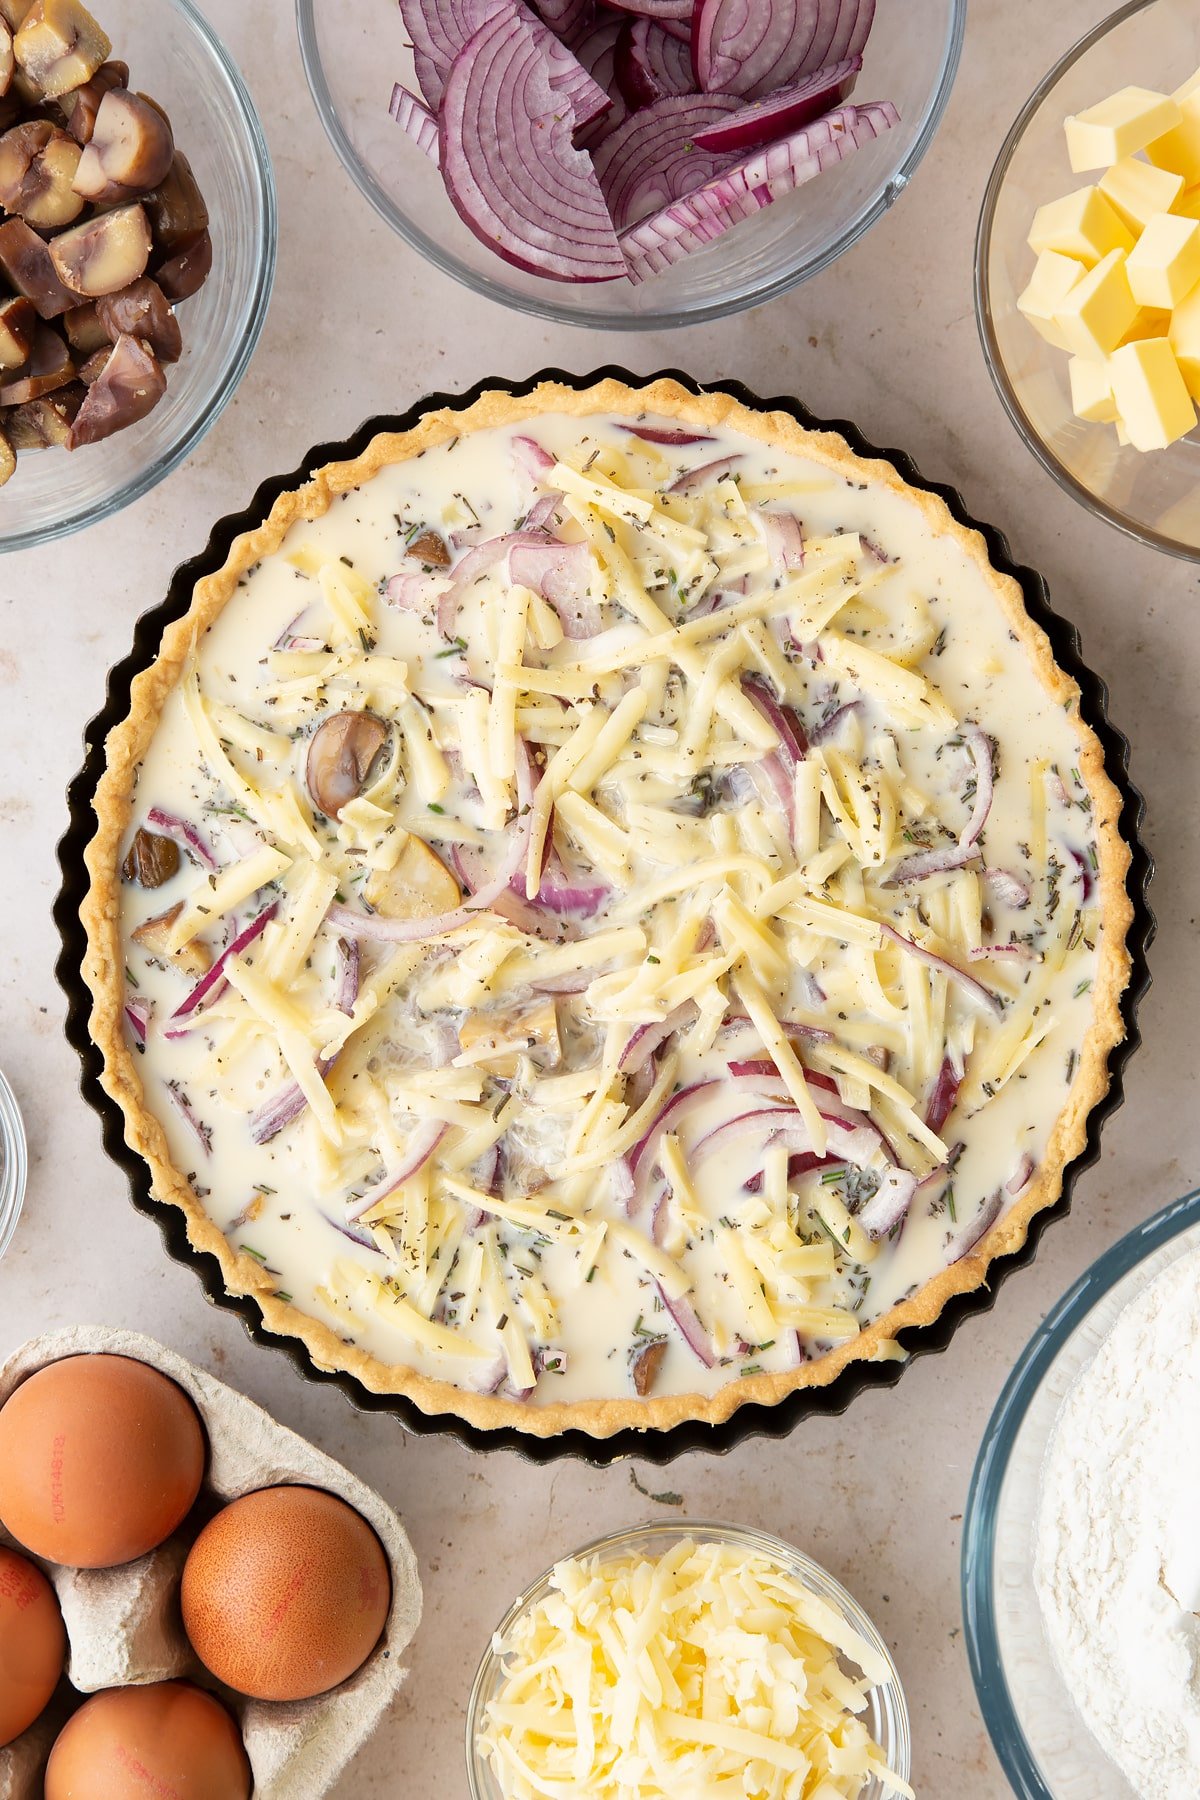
(1118, 1539)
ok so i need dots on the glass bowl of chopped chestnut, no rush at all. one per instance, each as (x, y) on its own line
(137, 252)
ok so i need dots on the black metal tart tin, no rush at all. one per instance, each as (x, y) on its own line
(750, 1420)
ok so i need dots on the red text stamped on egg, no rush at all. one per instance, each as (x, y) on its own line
(58, 1503)
(279, 1612)
(368, 1590)
(21, 1586)
(148, 1782)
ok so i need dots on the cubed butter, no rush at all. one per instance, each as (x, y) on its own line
(1083, 225)
(1099, 309)
(1136, 190)
(1187, 206)
(1150, 393)
(1179, 148)
(1151, 321)
(1184, 335)
(1164, 264)
(1091, 391)
(1119, 126)
(1052, 280)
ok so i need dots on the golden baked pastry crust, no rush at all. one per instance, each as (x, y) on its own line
(104, 962)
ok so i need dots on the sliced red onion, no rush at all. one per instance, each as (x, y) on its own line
(187, 1112)
(407, 931)
(793, 739)
(873, 549)
(572, 900)
(652, 158)
(692, 478)
(560, 573)
(441, 29)
(179, 830)
(510, 167)
(512, 904)
(783, 1125)
(748, 49)
(975, 990)
(988, 1213)
(566, 18)
(542, 511)
(945, 1093)
(785, 536)
(829, 728)
(139, 1012)
(675, 1109)
(355, 1233)
(945, 857)
(799, 1165)
(1083, 869)
(474, 566)
(621, 1181)
(414, 117)
(889, 1203)
(679, 11)
(597, 52)
(1018, 1181)
(349, 963)
(650, 63)
(213, 983)
(646, 1039)
(269, 1119)
(690, 1329)
(784, 110)
(535, 460)
(744, 188)
(1011, 889)
(659, 1220)
(657, 434)
(420, 1147)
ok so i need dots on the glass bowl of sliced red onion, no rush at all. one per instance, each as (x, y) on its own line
(649, 165)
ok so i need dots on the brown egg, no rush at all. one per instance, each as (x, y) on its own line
(101, 1458)
(285, 1593)
(170, 1741)
(33, 1644)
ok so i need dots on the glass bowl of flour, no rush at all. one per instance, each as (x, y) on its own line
(1081, 1542)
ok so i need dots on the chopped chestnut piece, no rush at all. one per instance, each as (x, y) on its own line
(151, 859)
(18, 321)
(429, 548)
(83, 104)
(94, 366)
(104, 254)
(340, 758)
(39, 424)
(185, 273)
(37, 166)
(13, 13)
(419, 887)
(84, 331)
(141, 311)
(129, 386)
(155, 937)
(49, 367)
(8, 458)
(59, 46)
(26, 261)
(8, 63)
(645, 1365)
(130, 151)
(176, 207)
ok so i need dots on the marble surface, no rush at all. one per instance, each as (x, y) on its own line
(886, 337)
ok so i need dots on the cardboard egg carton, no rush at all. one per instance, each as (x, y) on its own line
(124, 1626)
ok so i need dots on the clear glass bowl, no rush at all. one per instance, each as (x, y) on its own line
(13, 1164)
(1154, 496)
(1043, 1744)
(886, 1714)
(174, 55)
(352, 55)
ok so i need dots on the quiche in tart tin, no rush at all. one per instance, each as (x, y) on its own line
(605, 909)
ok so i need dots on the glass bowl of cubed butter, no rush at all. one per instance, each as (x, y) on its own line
(1087, 272)
(690, 1658)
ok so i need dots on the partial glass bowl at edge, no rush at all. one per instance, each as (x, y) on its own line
(13, 1164)
(1153, 496)
(886, 1714)
(174, 55)
(352, 56)
(1039, 1736)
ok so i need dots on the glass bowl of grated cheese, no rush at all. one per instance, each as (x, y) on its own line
(1058, 1421)
(693, 1653)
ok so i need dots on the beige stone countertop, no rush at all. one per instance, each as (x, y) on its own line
(885, 337)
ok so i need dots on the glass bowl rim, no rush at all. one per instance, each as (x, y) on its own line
(153, 471)
(14, 1163)
(889, 189)
(1025, 429)
(779, 1550)
(1003, 1428)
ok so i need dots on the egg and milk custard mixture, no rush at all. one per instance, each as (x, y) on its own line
(609, 909)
